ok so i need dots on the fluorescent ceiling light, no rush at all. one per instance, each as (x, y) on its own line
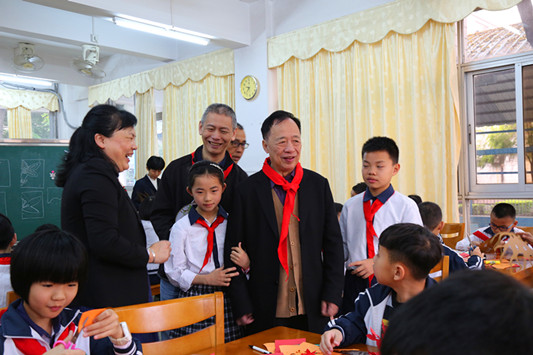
(25, 80)
(160, 30)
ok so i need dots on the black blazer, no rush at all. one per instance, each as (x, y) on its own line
(142, 189)
(253, 222)
(96, 209)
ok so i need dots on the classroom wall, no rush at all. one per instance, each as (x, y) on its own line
(268, 18)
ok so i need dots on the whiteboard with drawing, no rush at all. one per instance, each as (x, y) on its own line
(28, 195)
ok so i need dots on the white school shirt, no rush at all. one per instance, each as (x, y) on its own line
(398, 209)
(189, 244)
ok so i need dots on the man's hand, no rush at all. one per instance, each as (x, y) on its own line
(364, 268)
(329, 340)
(329, 309)
(246, 319)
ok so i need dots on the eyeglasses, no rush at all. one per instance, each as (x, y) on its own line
(236, 144)
(500, 228)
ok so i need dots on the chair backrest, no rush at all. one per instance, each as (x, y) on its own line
(452, 233)
(441, 270)
(166, 315)
(11, 296)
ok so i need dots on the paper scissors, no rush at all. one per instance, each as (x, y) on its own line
(86, 319)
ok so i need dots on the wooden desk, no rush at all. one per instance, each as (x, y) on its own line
(524, 273)
(240, 346)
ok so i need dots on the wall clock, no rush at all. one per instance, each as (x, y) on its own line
(249, 87)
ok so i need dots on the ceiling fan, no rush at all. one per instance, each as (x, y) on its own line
(87, 64)
(25, 59)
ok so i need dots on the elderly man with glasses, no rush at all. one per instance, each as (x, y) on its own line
(237, 146)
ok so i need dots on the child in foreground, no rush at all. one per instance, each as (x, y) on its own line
(406, 254)
(195, 266)
(46, 269)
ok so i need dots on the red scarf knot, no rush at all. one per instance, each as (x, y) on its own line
(210, 236)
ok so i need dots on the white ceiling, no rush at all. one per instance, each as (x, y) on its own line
(58, 28)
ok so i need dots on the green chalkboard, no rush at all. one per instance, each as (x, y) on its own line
(28, 195)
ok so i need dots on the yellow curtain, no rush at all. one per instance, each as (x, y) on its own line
(146, 131)
(404, 87)
(19, 122)
(218, 63)
(183, 107)
(31, 100)
(372, 25)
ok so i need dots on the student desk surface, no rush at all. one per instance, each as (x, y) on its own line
(241, 346)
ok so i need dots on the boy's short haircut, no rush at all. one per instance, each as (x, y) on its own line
(414, 246)
(146, 207)
(456, 315)
(431, 214)
(49, 255)
(502, 210)
(359, 188)
(338, 207)
(376, 144)
(155, 163)
(7, 232)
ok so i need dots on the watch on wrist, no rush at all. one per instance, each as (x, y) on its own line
(125, 339)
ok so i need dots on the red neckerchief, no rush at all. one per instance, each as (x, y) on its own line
(210, 236)
(31, 346)
(370, 211)
(226, 171)
(290, 188)
(5, 260)
(481, 235)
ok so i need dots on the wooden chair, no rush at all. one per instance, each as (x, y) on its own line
(11, 296)
(444, 266)
(452, 233)
(171, 314)
(155, 290)
(526, 229)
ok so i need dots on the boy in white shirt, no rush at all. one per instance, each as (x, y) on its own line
(366, 215)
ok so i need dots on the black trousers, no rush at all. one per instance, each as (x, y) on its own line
(353, 285)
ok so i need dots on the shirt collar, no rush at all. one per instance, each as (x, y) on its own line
(489, 231)
(199, 157)
(194, 215)
(289, 178)
(56, 324)
(383, 197)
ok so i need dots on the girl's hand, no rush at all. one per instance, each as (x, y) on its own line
(221, 276)
(105, 324)
(239, 257)
(60, 349)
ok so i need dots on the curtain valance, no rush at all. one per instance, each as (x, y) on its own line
(31, 100)
(219, 63)
(402, 16)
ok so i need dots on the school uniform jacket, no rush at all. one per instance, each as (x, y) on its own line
(253, 222)
(143, 188)
(368, 314)
(172, 193)
(96, 209)
(14, 326)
